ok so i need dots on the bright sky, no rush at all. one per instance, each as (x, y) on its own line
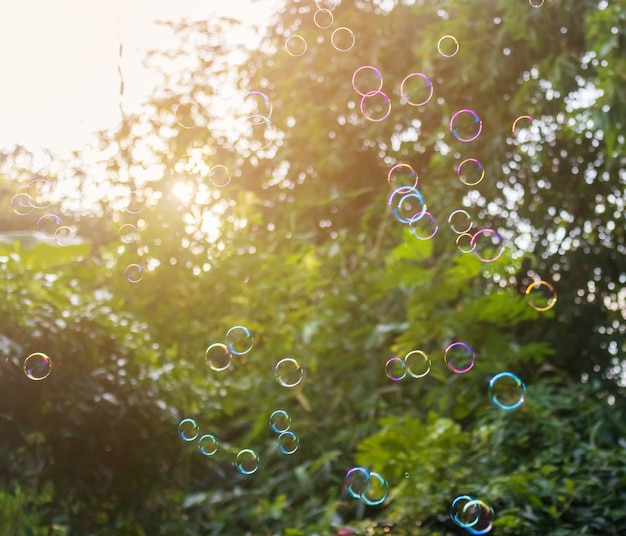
(59, 60)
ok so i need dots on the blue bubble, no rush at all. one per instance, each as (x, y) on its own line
(280, 421)
(288, 442)
(188, 429)
(208, 444)
(507, 391)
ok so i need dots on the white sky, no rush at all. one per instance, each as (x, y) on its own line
(59, 60)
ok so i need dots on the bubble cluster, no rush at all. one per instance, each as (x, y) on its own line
(37, 366)
(473, 515)
(370, 487)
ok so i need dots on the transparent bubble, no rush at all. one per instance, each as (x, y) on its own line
(129, 233)
(22, 204)
(458, 516)
(326, 4)
(136, 203)
(218, 357)
(464, 243)
(188, 429)
(395, 369)
(48, 225)
(355, 481)
(488, 245)
(134, 273)
(239, 340)
(343, 39)
(256, 133)
(423, 226)
(323, 18)
(470, 172)
(375, 106)
(256, 106)
(189, 114)
(288, 372)
(367, 79)
(465, 125)
(507, 391)
(219, 176)
(288, 442)
(247, 461)
(416, 89)
(376, 490)
(402, 175)
(541, 295)
(208, 445)
(407, 204)
(65, 235)
(460, 222)
(459, 357)
(295, 45)
(40, 191)
(37, 366)
(280, 421)
(536, 3)
(479, 516)
(417, 364)
(448, 46)
(523, 121)
(407, 474)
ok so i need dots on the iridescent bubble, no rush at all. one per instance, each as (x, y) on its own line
(355, 481)
(448, 46)
(541, 295)
(488, 245)
(37, 366)
(456, 219)
(134, 273)
(22, 204)
(465, 125)
(288, 372)
(295, 45)
(470, 172)
(280, 421)
(65, 235)
(483, 515)
(464, 243)
(239, 340)
(417, 364)
(247, 461)
(323, 18)
(256, 106)
(39, 190)
(376, 490)
(523, 121)
(129, 233)
(367, 79)
(375, 106)
(402, 175)
(416, 89)
(136, 203)
(256, 133)
(208, 445)
(188, 430)
(395, 369)
(423, 226)
(507, 391)
(457, 515)
(406, 204)
(189, 114)
(288, 442)
(218, 357)
(459, 357)
(219, 176)
(48, 225)
(343, 39)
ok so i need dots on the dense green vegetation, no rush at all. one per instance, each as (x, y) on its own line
(302, 248)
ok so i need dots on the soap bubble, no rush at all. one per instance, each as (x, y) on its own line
(395, 369)
(247, 461)
(39, 191)
(507, 391)
(376, 490)
(256, 105)
(189, 114)
(541, 295)
(208, 445)
(239, 340)
(288, 372)
(367, 79)
(295, 45)
(417, 364)
(48, 225)
(465, 125)
(134, 273)
(402, 176)
(480, 516)
(423, 226)
(470, 172)
(355, 481)
(523, 121)
(343, 39)
(488, 245)
(135, 203)
(455, 220)
(461, 518)
(22, 204)
(375, 106)
(536, 3)
(37, 366)
(448, 46)
(288, 442)
(129, 233)
(326, 4)
(188, 429)
(280, 421)
(218, 357)
(219, 176)
(464, 243)
(416, 89)
(407, 204)
(323, 18)
(459, 357)
(65, 235)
